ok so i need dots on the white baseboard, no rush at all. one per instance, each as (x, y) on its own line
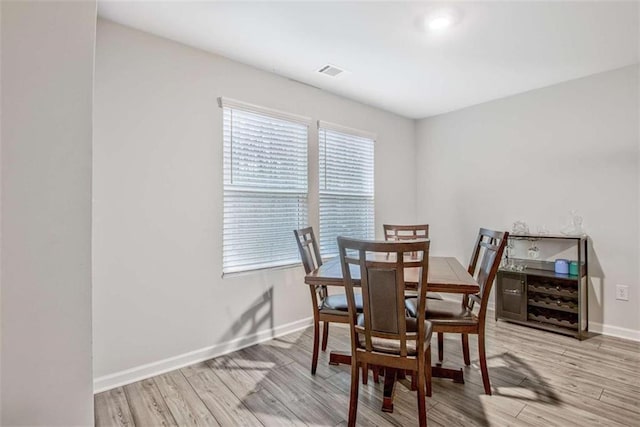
(614, 331)
(138, 373)
(598, 328)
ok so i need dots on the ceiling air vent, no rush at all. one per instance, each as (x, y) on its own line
(330, 70)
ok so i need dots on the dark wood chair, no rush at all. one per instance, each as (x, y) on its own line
(405, 232)
(326, 308)
(451, 317)
(408, 232)
(382, 335)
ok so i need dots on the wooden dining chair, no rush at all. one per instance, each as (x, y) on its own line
(382, 334)
(326, 308)
(451, 317)
(408, 232)
(405, 232)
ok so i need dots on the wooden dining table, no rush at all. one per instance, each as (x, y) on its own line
(445, 275)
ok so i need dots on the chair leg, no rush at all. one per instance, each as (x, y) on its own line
(365, 373)
(422, 404)
(316, 343)
(427, 370)
(353, 400)
(414, 380)
(483, 364)
(440, 346)
(465, 349)
(376, 374)
(325, 335)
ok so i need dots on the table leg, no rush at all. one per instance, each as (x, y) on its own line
(389, 388)
(390, 376)
(457, 375)
(437, 371)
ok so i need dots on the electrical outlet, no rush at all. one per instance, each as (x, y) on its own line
(622, 292)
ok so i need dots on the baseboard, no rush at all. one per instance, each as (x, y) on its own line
(598, 328)
(138, 373)
(614, 331)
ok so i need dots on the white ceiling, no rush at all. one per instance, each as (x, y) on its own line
(495, 50)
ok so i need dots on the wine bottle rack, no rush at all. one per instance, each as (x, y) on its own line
(560, 304)
(534, 295)
(551, 318)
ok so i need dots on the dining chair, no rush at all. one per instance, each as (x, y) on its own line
(405, 232)
(465, 319)
(394, 232)
(326, 308)
(382, 334)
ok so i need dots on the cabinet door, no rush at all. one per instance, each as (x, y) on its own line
(511, 296)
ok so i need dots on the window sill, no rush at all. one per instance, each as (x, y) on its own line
(259, 270)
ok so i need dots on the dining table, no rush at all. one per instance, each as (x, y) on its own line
(445, 275)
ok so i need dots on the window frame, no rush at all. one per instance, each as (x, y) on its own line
(227, 103)
(350, 132)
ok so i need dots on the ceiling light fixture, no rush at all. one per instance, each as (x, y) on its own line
(440, 20)
(440, 23)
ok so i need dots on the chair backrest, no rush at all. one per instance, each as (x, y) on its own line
(405, 232)
(380, 274)
(308, 248)
(488, 249)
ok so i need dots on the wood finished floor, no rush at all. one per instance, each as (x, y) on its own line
(538, 379)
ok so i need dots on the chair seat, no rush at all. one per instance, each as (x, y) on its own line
(391, 346)
(337, 304)
(443, 312)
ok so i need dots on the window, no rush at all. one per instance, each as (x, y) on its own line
(346, 186)
(265, 186)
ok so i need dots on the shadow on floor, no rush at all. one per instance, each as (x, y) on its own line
(277, 386)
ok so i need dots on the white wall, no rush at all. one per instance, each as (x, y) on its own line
(534, 157)
(0, 214)
(158, 291)
(47, 84)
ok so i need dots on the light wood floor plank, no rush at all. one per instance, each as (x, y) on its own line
(233, 373)
(300, 352)
(195, 369)
(370, 397)
(616, 343)
(469, 397)
(185, 405)
(287, 387)
(538, 379)
(335, 397)
(147, 404)
(269, 410)
(112, 409)
(225, 406)
(262, 353)
(620, 399)
(565, 415)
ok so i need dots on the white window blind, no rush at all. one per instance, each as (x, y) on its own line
(265, 189)
(346, 187)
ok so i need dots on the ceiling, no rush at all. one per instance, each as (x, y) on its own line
(495, 49)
